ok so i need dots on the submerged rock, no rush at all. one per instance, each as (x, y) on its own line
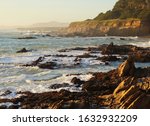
(28, 37)
(23, 50)
(108, 58)
(48, 65)
(36, 62)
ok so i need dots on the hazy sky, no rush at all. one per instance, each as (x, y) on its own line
(24, 12)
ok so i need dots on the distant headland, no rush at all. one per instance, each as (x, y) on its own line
(127, 18)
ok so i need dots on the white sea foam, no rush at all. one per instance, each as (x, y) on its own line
(142, 44)
(36, 86)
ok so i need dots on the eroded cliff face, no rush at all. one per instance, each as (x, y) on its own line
(117, 27)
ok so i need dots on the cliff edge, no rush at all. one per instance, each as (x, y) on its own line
(127, 18)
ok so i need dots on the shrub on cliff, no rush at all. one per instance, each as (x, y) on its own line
(124, 9)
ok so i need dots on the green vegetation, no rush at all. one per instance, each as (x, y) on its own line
(124, 9)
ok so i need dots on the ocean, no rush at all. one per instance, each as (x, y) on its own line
(15, 77)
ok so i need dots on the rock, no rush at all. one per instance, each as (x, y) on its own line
(23, 50)
(55, 105)
(6, 93)
(127, 68)
(73, 104)
(86, 55)
(56, 86)
(108, 58)
(3, 107)
(77, 81)
(28, 37)
(142, 56)
(47, 65)
(116, 49)
(77, 59)
(122, 39)
(125, 84)
(13, 107)
(36, 62)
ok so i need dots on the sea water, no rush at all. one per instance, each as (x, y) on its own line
(16, 77)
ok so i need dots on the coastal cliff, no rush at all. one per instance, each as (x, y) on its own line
(127, 18)
(116, 27)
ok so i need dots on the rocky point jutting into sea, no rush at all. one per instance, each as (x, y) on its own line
(114, 27)
(126, 87)
(127, 18)
(78, 68)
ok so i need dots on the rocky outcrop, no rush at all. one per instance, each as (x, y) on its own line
(114, 89)
(23, 50)
(116, 27)
(123, 87)
(132, 93)
(127, 68)
(127, 18)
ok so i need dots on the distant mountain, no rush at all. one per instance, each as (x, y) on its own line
(50, 24)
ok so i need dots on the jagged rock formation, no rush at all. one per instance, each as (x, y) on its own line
(132, 92)
(126, 87)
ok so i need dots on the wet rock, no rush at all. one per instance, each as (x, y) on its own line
(48, 65)
(36, 62)
(64, 50)
(142, 56)
(6, 93)
(27, 37)
(127, 68)
(55, 105)
(3, 107)
(57, 86)
(78, 48)
(13, 107)
(108, 58)
(142, 72)
(77, 59)
(73, 104)
(116, 49)
(77, 81)
(86, 55)
(23, 50)
(60, 55)
(122, 39)
(102, 82)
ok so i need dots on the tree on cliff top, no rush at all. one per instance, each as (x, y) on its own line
(124, 9)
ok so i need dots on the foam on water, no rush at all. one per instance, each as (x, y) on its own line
(142, 44)
(16, 78)
(39, 86)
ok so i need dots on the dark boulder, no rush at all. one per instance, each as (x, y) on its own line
(77, 81)
(108, 58)
(86, 55)
(47, 65)
(23, 50)
(57, 86)
(28, 37)
(36, 62)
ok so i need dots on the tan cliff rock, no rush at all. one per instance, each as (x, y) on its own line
(115, 27)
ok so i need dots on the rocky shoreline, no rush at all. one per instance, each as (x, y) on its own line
(126, 87)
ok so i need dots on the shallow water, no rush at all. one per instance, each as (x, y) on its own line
(15, 77)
